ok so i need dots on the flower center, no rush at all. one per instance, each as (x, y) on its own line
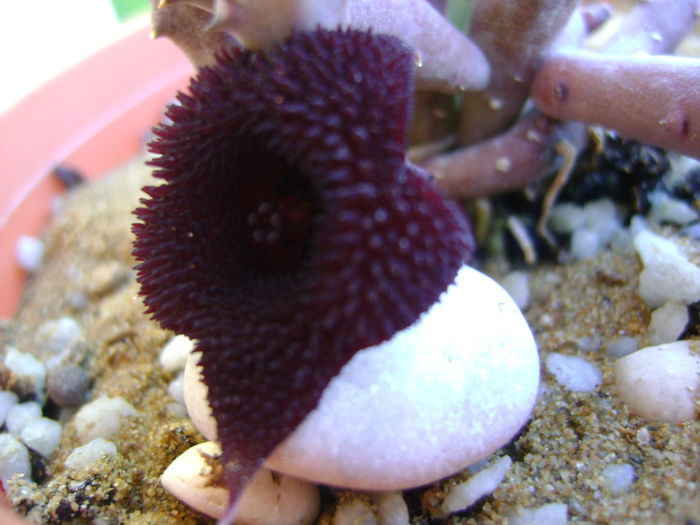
(280, 225)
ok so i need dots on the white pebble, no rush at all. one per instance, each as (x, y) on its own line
(175, 353)
(176, 410)
(573, 373)
(175, 389)
(661, 383)
(549, 514)
(668, 275)
(621, 346)
(479, 485)
(585, 243)
(692, 231)
(665, 208)
(437, 397)
(667, 323)
(102, 418)
(14, 458)
(618, 478)
(8, 399)
(19, 416)
(89, 453)
(602, 215)
(566, 217)
(517, 284)
(270, 499)
(392, 508)
(589, 343)
(354, 512)
(600, 223)
(195, 393)
(30, 252)
(643, 437)
(59, 335)
(42, 435)
(28, 368)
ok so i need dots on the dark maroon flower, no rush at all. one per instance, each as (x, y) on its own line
(289, 231)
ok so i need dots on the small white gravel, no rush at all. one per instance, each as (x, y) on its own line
(392, 508)
(668, 323)
(668, 209)
(619, 477)
(174, 354)
(692, 231)
(621, 346)
(354, 512)
(573, 373)
(585, 243)
(30, 252)
(89, 453)
(479, 485)
(601, 221)
(269, 499)
(27, 368)
(589, 343)
(20, 415)
(102, 418)
(14, 458)
(592, 226)
(175, 389)
(668, 275)
(661, 383)
(566, 217)
(42, 435)
(549, 514)
(59, 335)
(517, 284)
(8, 399)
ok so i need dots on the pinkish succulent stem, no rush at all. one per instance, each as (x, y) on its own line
(515, 36)
(654, 27)
(582, 22)
(439, 5)
(651, 99)
(447, 60)
(507, 162)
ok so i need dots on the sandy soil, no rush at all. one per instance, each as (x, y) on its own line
(558, 457)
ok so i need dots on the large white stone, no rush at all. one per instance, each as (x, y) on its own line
(440, 395)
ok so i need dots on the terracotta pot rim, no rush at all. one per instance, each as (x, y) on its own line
(92, 117)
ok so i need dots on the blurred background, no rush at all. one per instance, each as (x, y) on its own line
(38, 39)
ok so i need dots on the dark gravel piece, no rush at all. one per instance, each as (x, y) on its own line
(68, 385)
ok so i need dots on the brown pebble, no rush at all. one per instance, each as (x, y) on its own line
(67, 385)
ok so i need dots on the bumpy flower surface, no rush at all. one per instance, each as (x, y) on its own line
(289, 231)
